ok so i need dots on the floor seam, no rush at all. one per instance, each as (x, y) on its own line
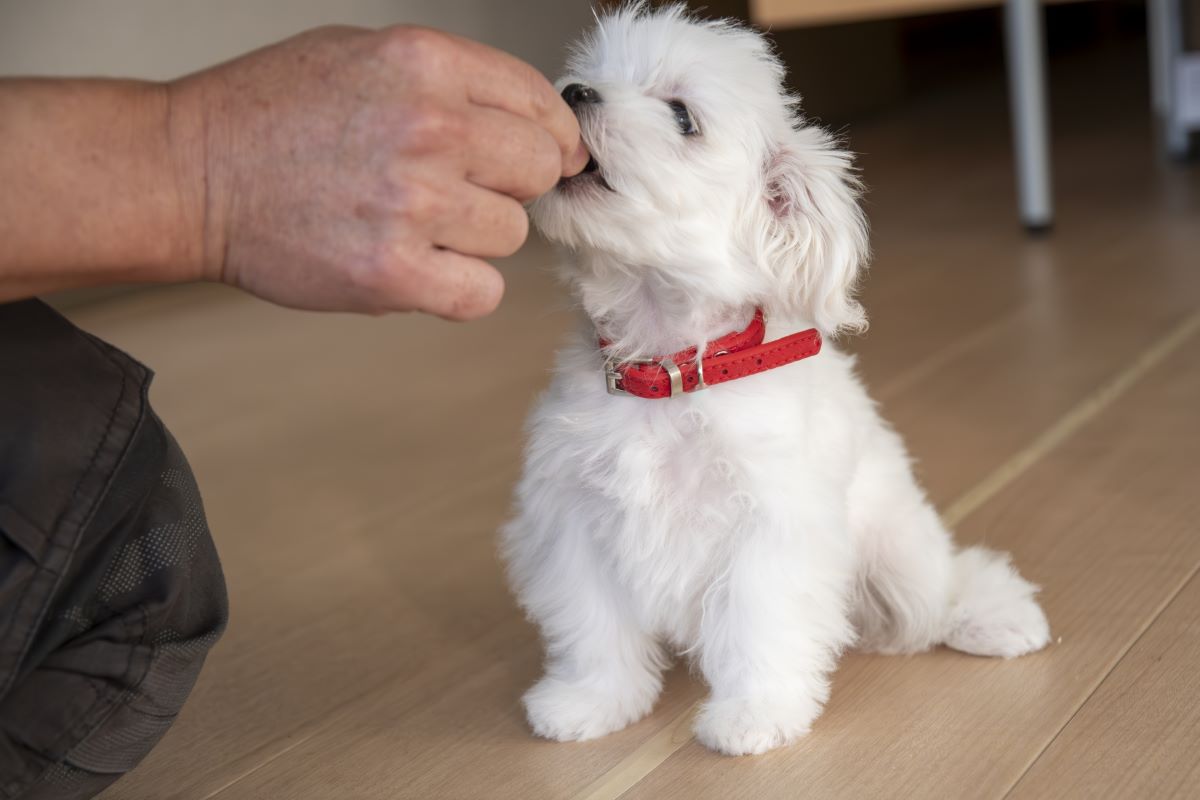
(278, 754)
(318, 724)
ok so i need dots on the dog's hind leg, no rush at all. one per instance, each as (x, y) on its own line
(914, 590)
(994, 612)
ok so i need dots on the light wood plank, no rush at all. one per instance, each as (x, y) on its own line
(797, 13)
(1137, 736)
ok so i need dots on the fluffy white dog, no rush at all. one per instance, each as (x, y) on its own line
(766, 523)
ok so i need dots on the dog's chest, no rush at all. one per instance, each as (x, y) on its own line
(665, 492)
(675, 489)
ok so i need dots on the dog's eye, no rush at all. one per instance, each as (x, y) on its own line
(683, 118)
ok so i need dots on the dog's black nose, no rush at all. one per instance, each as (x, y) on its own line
(576, 94)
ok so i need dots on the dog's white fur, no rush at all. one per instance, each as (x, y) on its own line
(764, 525)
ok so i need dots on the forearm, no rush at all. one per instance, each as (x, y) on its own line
(97, 186)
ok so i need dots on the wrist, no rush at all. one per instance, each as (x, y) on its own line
(196, 139)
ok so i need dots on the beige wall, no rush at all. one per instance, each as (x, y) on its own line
(165, 38)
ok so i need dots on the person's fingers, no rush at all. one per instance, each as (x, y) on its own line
(452, 285)
(480, 222)
(510, 154)
(574, 163)
(499, 80)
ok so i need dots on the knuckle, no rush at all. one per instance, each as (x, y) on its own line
(412, 44)
(374, 269)
(389, 276)
(429, 126)
(447, 125)
(538, 90)
(333, 30)
(418, 204)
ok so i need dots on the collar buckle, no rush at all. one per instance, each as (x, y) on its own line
(613, 375)
(612, 378)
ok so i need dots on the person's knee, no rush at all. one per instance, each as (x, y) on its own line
(166, 585)
(123, 646)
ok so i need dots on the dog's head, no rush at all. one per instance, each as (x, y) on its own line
(704, 181)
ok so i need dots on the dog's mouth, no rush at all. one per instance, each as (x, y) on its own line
(591, 175)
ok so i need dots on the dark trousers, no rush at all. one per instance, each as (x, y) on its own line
(111, 592)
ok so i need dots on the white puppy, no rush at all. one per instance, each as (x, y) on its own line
(766, 523)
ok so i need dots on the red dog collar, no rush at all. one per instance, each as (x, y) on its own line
(734, 355)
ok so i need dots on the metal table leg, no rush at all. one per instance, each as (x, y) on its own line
(1027, 95)
(1165, 24)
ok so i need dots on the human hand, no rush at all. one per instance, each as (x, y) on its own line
(355, 170)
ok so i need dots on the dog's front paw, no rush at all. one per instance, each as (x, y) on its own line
(741, 726)
(571, 712)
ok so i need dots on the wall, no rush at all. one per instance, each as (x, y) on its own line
(165, 38)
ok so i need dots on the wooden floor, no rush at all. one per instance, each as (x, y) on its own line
(1050, 390)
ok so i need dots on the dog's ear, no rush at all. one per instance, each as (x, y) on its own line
(816, 241)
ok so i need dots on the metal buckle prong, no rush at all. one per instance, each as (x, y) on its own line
(612, 376)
